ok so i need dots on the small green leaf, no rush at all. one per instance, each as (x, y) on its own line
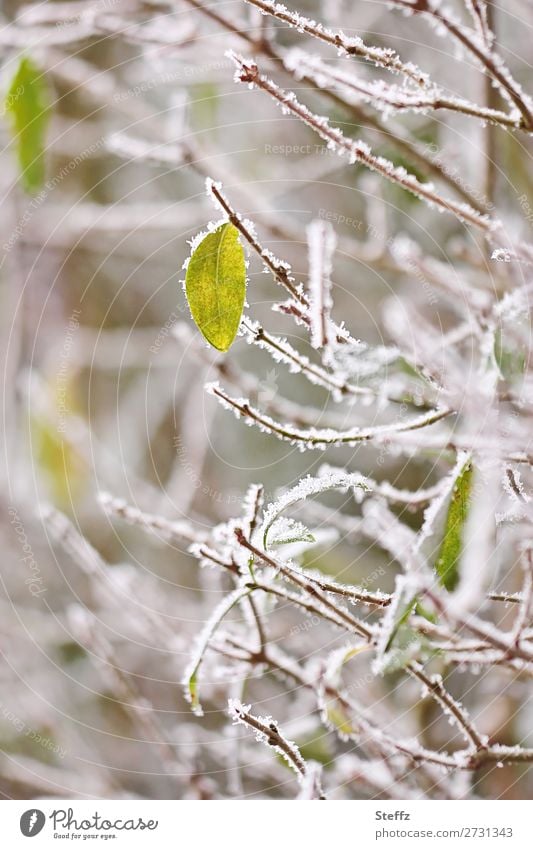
(336, 716)
(408, 645)
(27, 102)
(511, 363)
(289, 531)
(401, 621)
(447, 564)
(192, 692)
(215, 285)
(425, 613)
(291, 540)
(405, 644)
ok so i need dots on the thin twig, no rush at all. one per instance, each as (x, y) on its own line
(358, 152)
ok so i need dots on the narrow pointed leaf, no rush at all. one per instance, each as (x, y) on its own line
(403, 618)
(447, 564)
(215, 285)
(192, 691)
(27, 102)
(288, 531)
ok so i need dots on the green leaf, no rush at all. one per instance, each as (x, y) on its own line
(290, 531)
(425, 613)
(306, 488)
(336, 716)
(290, 540)
(27, 102)
(192, 693)
(408, 645)
(215, 285)
(511, 363)
(316, 747)
(401, 621)
(404, 644)
(447, 564)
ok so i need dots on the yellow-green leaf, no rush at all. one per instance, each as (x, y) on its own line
(215, 285)
(27, 103)
(447, 564)
(337, 717)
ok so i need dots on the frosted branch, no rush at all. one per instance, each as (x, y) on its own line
(357, 151)
(391, 99)
(177, 532)
(267, 732)
(434, 685)
(316, 438)
(381, 57)
(322, 242)
(487, 58)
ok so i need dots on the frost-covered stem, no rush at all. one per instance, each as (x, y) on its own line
(514, 484)
(257, 493)
(489, 60)
(268, 732)
(261, 632)
(190, 679)
(78, 546)
(315, 438)
(322, 242)
(279, 269)
(360, 115)
(481, 629)
(253, 505)
(226, 23)
(357, 151)
(379, 56)
(505, 597)
(400, 99)
(385, 743)
(485, 16)
(297, 600)
(411, 498)
(378, 739)
(316, 374)
(178, 532)
(308, 585)
(482, 14)
(203, 552)
(525, 610)
(352, 593)
(436, 688)
(311, 783)
(249, 385)
(505, 754)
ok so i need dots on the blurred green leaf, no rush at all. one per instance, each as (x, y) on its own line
(316, 748)
(510, 363)
(447, 564)
(215, 285)
(27, 102)
(64, 468)
(425, 613)
(335, 715)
